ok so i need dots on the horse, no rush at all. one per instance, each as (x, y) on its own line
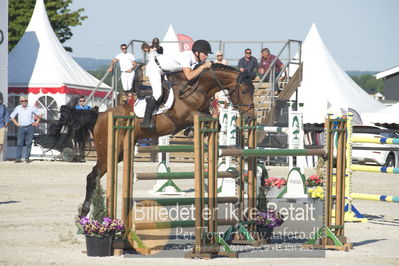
(190, 100)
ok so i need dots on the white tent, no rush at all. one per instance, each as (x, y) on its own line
(325, 86)
(388, 115)
(39, 64)
(170, 42)
(40, 68)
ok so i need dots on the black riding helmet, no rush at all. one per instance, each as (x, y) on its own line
(202, 46)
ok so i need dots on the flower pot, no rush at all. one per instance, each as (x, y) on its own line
(98, 246)
(264, 232)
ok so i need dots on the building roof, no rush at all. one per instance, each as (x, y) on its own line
(40, 61)
(387, 72)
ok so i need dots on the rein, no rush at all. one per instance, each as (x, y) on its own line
(231, 91)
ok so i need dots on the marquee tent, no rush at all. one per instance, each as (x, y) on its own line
(40, 68)
(325, 86)
(170, 42)
(39, 65)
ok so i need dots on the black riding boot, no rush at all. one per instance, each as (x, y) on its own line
(147, 121)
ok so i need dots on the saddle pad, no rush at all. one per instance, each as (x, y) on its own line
(140, 104)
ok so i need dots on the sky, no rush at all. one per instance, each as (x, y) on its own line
(360, 34)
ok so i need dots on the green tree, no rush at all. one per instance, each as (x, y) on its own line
(369, 83)
(60, 16)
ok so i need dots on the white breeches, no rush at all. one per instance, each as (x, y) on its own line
(127, 80)
(154, 75)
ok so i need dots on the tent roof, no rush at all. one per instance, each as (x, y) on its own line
(39, 59)
(325, 86)
(387, 115)
(170, 42)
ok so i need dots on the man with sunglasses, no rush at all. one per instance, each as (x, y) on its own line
(127, 64)
(82, 104)
(162, 64)
(26, 122)
(248, 66)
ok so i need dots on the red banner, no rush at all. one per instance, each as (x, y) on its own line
(185, 42)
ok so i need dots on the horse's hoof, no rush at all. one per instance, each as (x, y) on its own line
(83, 211)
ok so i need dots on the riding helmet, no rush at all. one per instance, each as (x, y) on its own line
(202, 46)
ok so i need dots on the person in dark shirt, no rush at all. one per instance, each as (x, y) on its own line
(248, 65)
(266, 61)
(155, 45)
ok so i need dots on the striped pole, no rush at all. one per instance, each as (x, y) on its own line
(181, 175)
(375, 140)
(375, 169)
(271, 152)
(267, 128)
(375, 197)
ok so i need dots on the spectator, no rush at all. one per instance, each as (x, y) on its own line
(162, 64)
(4, 121)
(130, 98)
(156, 47)
(82, 104)
(127, 64)
(248, 66)
(265, 62)
(25, 124)
(151, 52)
(219, 58)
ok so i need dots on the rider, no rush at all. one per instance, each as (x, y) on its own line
(162, 64)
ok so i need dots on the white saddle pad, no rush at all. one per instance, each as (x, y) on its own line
(140, 104)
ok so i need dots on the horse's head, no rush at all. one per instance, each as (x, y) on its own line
(240, 95)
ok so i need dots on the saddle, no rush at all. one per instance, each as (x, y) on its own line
(144, 91)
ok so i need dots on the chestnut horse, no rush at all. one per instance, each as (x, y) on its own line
(189, 101)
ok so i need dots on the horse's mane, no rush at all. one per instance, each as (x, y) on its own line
(217, 66)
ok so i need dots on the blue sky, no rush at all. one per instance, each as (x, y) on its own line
(360, 34)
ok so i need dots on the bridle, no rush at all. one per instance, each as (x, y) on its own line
(231, 91)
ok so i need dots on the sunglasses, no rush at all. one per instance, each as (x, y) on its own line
(125, 48)
(82, 101)
(248, 53)
(23, 101)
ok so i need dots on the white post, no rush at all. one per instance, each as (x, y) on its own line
(4, 60)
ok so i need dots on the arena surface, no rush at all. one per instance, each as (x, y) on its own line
(38, 203)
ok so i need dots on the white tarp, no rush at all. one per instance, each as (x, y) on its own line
(39, 59)
(325, 86)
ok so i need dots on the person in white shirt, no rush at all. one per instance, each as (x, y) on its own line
(161, 64)
(26, 122)
(219, 58)
(127, 64)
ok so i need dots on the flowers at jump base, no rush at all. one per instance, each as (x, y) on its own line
(314, 181)
(108, 227)
(270, 218)
(316, 193)
(275, 182)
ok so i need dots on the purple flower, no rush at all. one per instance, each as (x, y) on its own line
(270, 218)
(108, 226)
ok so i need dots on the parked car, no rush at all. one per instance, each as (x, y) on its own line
(388, 158)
